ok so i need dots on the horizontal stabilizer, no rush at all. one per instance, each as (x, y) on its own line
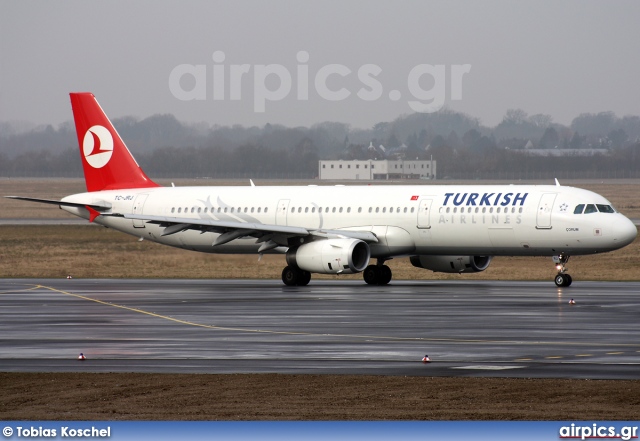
(103, 206)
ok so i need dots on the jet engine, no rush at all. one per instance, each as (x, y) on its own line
(452, 264)
(331, 256)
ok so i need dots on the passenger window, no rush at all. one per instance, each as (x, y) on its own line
(370, 209)
(384, 209)
(179, 209)
(333, 210)
(306, 209)
(173, 210)
(405, 209)
(359, 209)
(605, 208)
(252, 209)
(266, 209)
(579, 209)
(477, 209)
(313, 209)
(348, 209)
(259, 209)
(299, 209)
(448, 209)
(498, 210)
(591, 208)
(520, 210)
(199, 209)
(412, 209)
(340, 210)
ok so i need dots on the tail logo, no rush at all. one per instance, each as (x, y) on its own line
(97, 146)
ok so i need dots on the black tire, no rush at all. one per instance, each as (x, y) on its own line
(371, 274)
(385, 275)
(560, 280)
(290, 276)
(304, 278)
(568, 280)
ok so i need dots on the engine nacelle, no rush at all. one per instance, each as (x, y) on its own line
(331, 256)
(452, 264)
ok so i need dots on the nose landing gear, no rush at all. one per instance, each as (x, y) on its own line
(562, 278)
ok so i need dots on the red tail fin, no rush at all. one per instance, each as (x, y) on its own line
(106, 160)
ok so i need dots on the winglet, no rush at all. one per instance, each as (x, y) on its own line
(557, 183)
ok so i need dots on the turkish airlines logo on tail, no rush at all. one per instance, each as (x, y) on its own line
(97, 146)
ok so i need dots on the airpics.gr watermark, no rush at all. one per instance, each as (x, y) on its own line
(275, 82)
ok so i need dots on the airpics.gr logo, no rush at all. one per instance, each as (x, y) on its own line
(97, 146)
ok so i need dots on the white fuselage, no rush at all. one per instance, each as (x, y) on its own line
(407, 220)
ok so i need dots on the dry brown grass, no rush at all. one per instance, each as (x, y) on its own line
(63, 396)
(96, 252)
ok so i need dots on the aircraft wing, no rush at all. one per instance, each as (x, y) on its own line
(230, 230)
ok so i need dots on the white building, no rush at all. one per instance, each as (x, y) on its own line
(369, 170)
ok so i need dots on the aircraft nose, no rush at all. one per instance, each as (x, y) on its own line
(625, 232)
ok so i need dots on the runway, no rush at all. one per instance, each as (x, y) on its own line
(467, 328)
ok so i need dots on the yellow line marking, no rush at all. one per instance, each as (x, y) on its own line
(310, 334)
(584, 355)
(554, 357)
(614, 353)
(523, 359)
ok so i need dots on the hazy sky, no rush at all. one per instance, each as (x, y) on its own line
(556, 57)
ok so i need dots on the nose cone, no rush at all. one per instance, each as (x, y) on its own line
(624, 231)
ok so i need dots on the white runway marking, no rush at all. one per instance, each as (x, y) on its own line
(488, 368)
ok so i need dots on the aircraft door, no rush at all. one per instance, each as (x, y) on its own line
(138, 205)
(424, 213)
(543, 218)
(281, 214)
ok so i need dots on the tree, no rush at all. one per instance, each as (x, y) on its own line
(515, 116)
(550, 139)
(618, 138)
(541, 120)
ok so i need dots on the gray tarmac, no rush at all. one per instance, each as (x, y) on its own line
(467, 328)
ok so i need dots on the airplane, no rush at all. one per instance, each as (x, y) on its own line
(339, 229)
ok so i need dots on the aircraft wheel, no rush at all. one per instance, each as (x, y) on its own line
(563, 280)
(568, 280)
(385, 275)
(304, 278)
(290, 276)
(371, 274)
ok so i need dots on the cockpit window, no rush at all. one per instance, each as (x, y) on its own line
(605, 208)
(591, 208)
(578, 209)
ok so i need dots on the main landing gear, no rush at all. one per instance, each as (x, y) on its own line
(379, 274)
(562, 278)
(294, 276)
